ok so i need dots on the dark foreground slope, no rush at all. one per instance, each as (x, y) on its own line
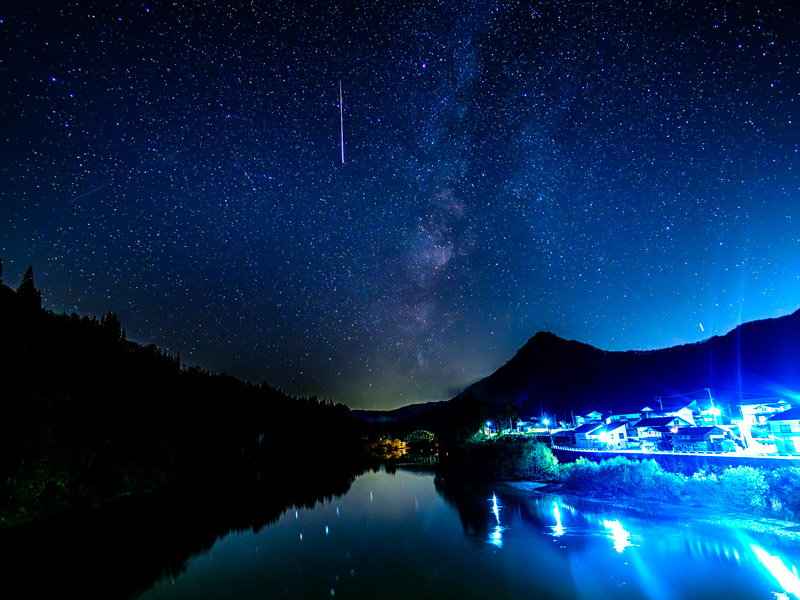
(88, 415)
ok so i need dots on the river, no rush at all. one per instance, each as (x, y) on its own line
(395, 535)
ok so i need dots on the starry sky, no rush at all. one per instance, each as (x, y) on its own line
(621, 173)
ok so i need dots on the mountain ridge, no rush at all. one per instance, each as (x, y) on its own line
(556, 376)
(549, 373)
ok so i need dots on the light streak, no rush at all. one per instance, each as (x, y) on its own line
(97, 189)
(496, 536)
(787, 578)
(558, 530)
(341, 120)
(246, 174)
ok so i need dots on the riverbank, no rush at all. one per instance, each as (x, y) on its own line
(745, 497)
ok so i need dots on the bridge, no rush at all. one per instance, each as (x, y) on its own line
(420, 435)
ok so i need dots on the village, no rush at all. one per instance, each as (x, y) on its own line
(767, 427)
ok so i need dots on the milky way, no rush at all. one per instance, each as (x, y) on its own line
(624, 174)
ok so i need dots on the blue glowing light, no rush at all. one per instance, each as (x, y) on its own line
(786, 577)
(620, 537)
(496, 535)
(558, 529)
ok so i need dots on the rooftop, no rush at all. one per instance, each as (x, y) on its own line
(787, 415)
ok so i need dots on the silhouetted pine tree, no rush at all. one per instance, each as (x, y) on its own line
(110, 323)
(27, 292)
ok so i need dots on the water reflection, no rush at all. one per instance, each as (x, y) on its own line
(600, 549)
(398, 536)
(496, 534)
(558, 528)
(120, 550)
(785, 576)
(620, 537)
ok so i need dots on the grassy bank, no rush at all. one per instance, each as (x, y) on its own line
(774, 493)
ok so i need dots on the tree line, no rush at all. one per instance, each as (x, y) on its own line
(88, 415)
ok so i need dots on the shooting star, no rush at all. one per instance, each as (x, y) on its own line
(341, 120)
(246, 174)
(97, 189)
(630, 290)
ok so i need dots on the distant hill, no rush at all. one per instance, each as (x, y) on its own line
(383, 416)
(550, 374)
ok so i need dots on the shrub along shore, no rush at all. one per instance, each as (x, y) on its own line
(758, 492)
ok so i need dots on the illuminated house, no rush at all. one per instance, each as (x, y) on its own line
(602, 436)
(652, 431)
(753, 420)
(632, 416)
(582, 434)
(628, 417)
(648, 412)
(759, 413)
(785, 428)
(612, 436)
(683, 410)
(592, 417)
(698, 439)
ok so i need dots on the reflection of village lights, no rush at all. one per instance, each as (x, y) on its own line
(558, 529)
(496, 535)
(621, 538)
(787, 578)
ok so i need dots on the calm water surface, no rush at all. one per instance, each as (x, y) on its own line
(397, 536)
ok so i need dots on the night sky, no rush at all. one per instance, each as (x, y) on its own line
(625, 174)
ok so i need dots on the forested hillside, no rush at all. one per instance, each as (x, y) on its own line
(87, 415)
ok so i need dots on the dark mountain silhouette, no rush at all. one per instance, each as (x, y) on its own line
(383, 416)
(549, 374)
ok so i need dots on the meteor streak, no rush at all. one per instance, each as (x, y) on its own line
(97, 189)
(341, 120)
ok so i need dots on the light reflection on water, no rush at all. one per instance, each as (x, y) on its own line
(397, 536)
(620, 537)
(772, 567)
(785, 576)
(558, 528)
(496, 534)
